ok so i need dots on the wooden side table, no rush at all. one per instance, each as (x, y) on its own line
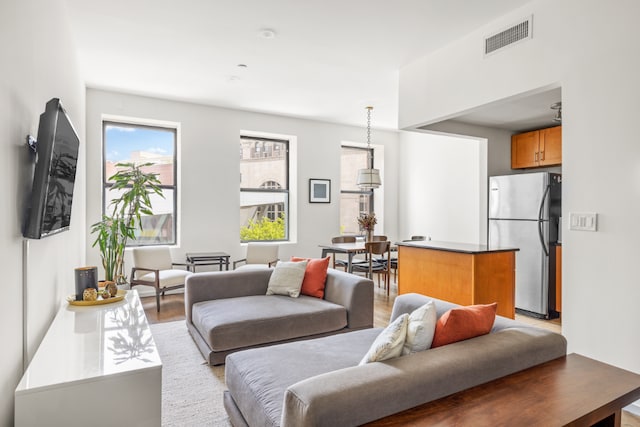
(569, 391)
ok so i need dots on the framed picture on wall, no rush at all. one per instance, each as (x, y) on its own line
(319, 190)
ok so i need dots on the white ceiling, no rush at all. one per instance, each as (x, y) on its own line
(329, 59)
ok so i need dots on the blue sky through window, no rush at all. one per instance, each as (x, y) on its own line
(120, 141)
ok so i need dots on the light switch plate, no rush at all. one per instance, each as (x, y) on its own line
(583, 221)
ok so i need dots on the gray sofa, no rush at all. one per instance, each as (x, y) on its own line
(229, 311)
(319, 383)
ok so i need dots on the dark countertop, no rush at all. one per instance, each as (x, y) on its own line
(466, 248)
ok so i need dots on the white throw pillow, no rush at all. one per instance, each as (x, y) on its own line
(389, 343)
(420, 328)
(286, 278)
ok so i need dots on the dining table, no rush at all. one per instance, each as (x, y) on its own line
(350, 249)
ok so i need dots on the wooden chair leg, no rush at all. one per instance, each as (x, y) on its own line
(158, 300)
(387, 278)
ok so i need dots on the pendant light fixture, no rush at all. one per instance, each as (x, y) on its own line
(369, 178)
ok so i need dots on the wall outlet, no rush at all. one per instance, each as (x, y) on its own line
(585, 221)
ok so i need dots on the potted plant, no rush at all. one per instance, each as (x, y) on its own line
(114, 230)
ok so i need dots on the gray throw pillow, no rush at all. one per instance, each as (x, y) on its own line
(286, 278)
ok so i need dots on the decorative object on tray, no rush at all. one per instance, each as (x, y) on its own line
(111, 288)
(135, 188)
(100, 297)
(86, 277)
(319, 190)
(367, 222)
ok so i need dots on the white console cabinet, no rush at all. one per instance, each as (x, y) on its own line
(96, 366)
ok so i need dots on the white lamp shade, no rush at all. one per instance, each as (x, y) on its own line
(368, 178)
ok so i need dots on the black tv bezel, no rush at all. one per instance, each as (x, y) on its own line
(47, 128)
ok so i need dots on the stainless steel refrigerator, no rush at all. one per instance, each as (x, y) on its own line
(524, 213)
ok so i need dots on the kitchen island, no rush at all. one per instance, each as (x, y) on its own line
(462, 273)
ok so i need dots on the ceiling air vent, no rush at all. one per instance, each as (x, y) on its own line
(508, 37)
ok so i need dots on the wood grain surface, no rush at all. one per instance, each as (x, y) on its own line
(461, 278)
(569, 391)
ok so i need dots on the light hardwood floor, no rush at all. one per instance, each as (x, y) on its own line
(172, 308)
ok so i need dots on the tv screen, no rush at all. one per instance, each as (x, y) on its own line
(49, 211)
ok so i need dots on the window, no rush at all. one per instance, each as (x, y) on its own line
(264, 189)
(129, 143)
(354, 201)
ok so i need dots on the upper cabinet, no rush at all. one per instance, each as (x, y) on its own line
(537, 148)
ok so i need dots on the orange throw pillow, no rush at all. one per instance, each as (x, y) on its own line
(463, 323)
(314, 276)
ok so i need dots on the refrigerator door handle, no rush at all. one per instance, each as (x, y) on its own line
(540, 220)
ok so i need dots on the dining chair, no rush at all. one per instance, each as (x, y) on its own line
(342, 239)
(152, 266)
(373, 248)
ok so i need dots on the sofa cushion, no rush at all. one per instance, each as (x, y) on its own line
(420, 328)
(463, 323)
(257, 379)
(286, 279)
(231, 323)
(315, 276)
(389, 343)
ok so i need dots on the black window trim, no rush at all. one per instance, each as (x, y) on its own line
(363, 192)
(284, 189)
(106, 185)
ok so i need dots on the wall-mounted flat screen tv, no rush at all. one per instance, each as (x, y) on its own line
(49, 210)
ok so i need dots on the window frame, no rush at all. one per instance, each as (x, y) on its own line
(284, 189)
(106, 185)
(369, 192)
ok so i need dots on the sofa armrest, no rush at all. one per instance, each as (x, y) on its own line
(406, 303)
(224, 284)
(355, 293)
(361, 394)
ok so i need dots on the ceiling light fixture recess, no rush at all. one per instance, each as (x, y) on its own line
(369, 178)
(267, 33)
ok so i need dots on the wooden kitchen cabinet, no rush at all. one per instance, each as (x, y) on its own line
(551, 146)
(537, 148)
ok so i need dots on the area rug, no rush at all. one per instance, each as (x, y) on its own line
(191, 390)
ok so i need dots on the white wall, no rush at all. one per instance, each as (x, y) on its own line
(443, 187)
(37, 59)
(498, 143)
(590, 49)
(209, 179)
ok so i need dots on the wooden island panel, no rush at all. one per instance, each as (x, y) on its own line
(459, 277)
